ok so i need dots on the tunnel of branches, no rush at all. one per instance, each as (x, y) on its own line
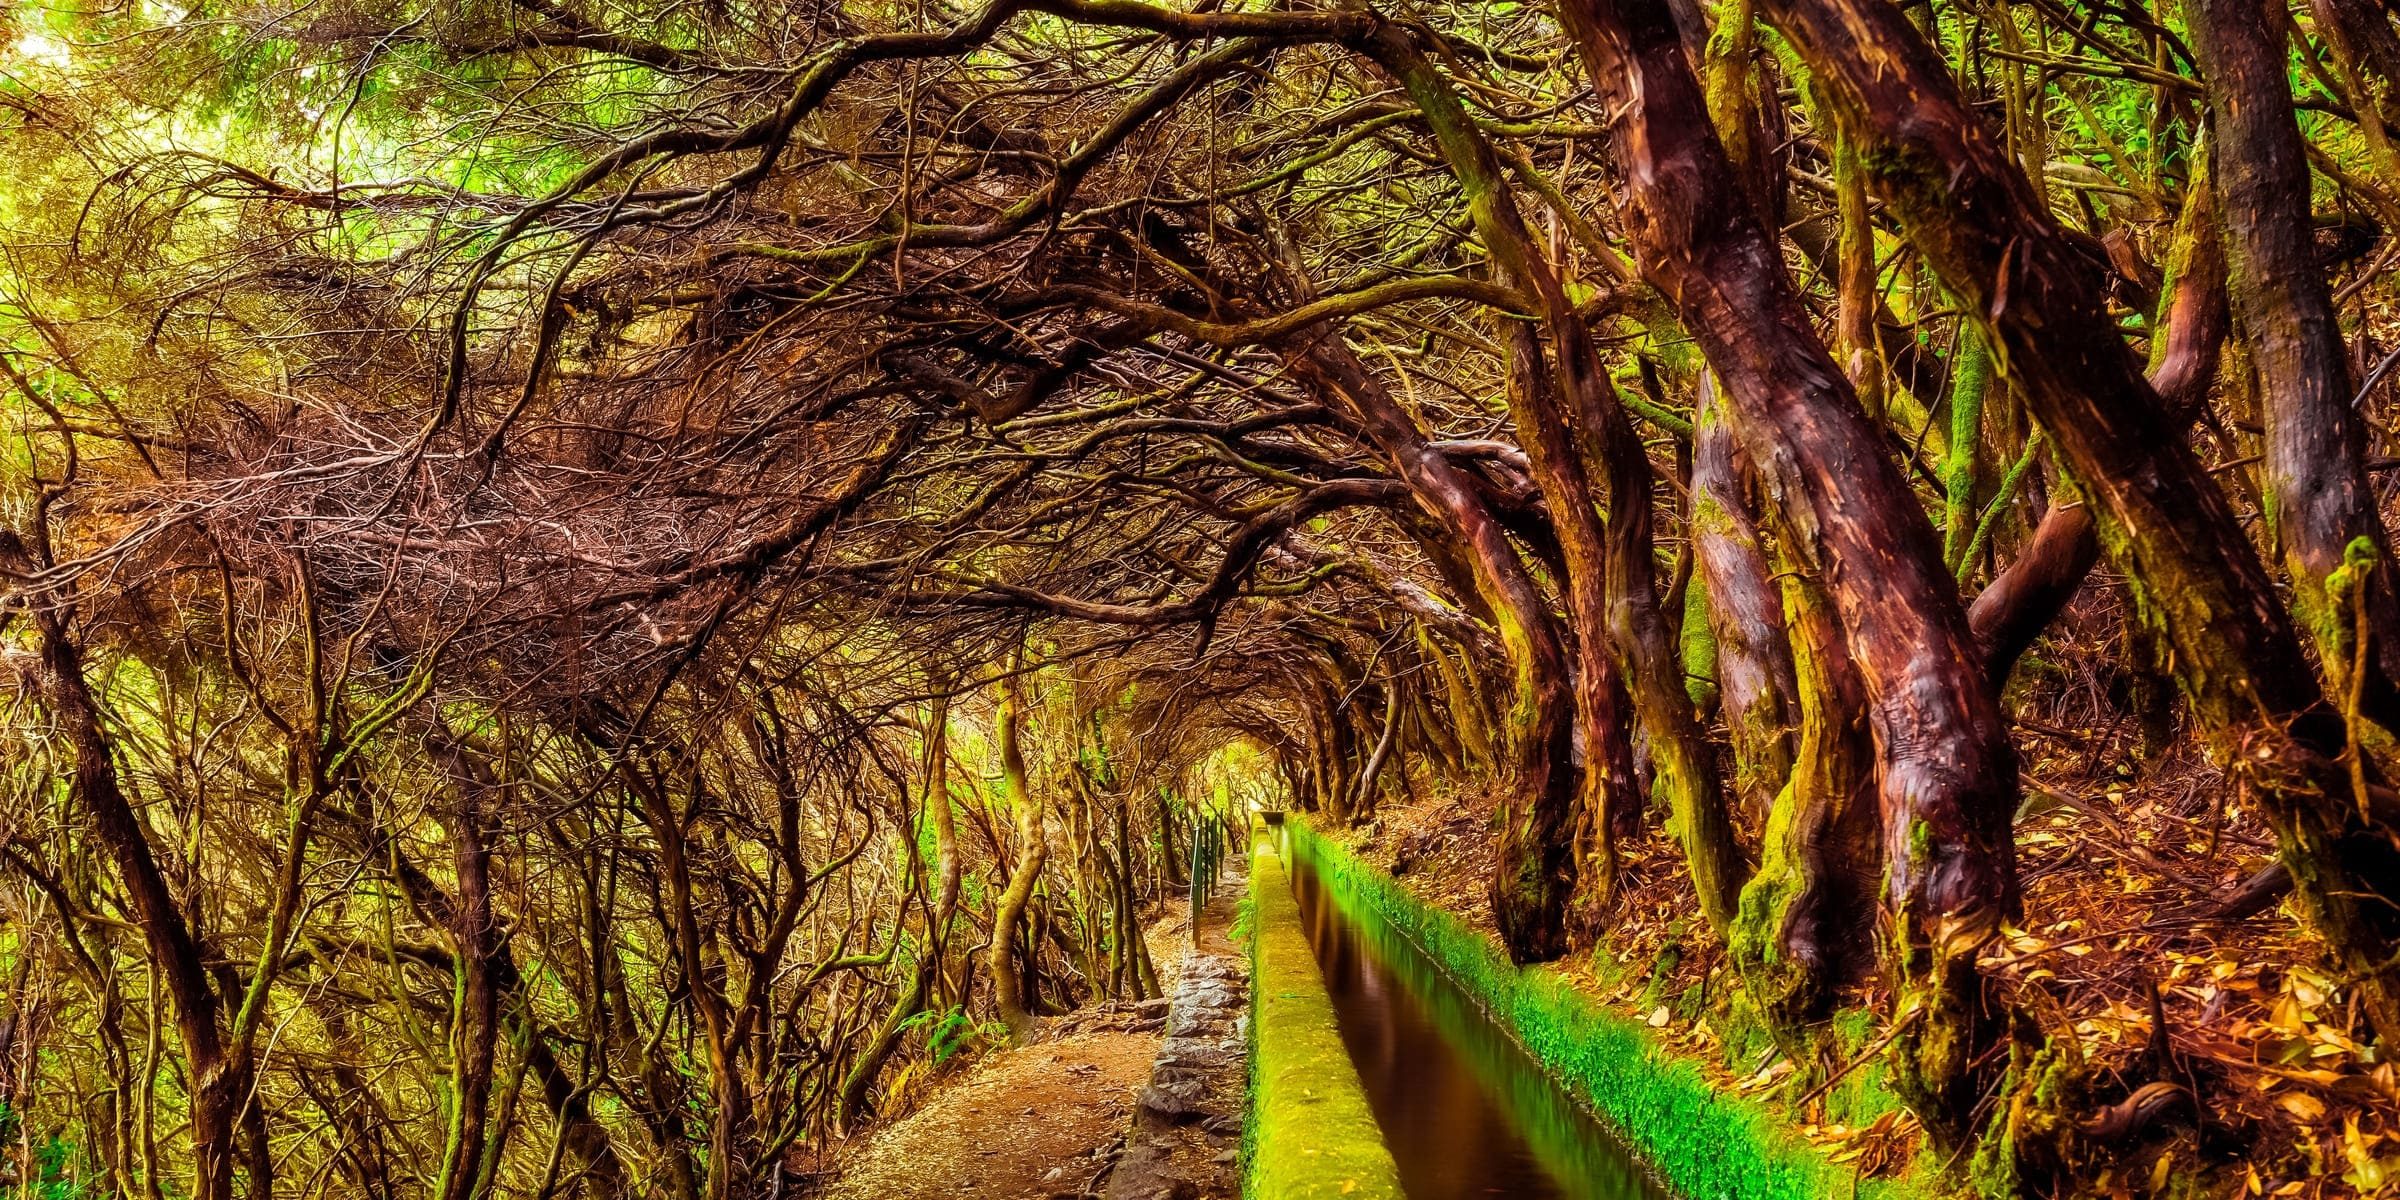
(591, 590)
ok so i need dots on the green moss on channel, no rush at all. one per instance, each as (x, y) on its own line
(1698, 1141)
(1311, 1133)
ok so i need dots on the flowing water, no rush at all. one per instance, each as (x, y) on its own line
(1465, 1111)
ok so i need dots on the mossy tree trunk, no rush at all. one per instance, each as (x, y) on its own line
(1033, 850)
(1962, 468)
(698, 955)
(1800, 935)
(1170, 856)
(1535, 872)
(2319, 505)
(474, 935)
(1756, 687)
(938, 812)
(878, 1051)
(219, 1074)
(928, 970)
(2161, 518)
(1567, 413)
(2191, 324)
(1857, 298)
(1442, 735)
(1563, 476)
(2363, 42)
(1386, 735)
(1947, 771)
(1142, 971)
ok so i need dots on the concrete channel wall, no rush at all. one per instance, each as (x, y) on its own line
(1697, 1140)
(1311, 1132)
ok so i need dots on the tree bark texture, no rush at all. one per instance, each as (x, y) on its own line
(1033, 849)
(1567, 415)
(2191, 325)
(2319, 506)
(1971, 213)
(1756, 688)
(1946, 770)
(1535, 872)
(220, 1083)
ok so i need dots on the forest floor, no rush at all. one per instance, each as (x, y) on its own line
(2114, 872)
(1031, 1121)
(1038, 1121)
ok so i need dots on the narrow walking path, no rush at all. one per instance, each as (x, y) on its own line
(1186, 1135)
(1048, 1120)
(1036, 1121)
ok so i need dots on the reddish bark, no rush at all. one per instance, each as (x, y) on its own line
(1948, 776)
(475, 937)
(220, 1077)
(1604, 681)
(1756, 687)
(1975, 218)
(1535, 850)
(2193, 321)
(2318, 500)
(2362, 37)
(1567, 415)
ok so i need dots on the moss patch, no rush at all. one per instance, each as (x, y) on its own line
(1863, 1095)
(1700, 1142)
(1310, 1133)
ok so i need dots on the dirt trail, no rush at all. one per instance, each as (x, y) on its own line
(1036, 1122)
(1032, 1122)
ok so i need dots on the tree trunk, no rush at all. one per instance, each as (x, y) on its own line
(571, 1108)
(1947, 771)
(1962, 468)
(1535, 871)
(220, 1084)
(1033, 840)
(926, 967)
(1567, 414)
(878, 1050)
(702, 977)
(945, 830)
(2319, 506)
(2360, 32)
(475, 996)
(1799, 940)
(2190, 328)
(2161, 518)
(1369, 774)
(1171, 859)
(1756, 688)
(1857, 298)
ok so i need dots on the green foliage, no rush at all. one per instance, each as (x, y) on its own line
(1699, 1141)
(60, 1170)
(954, 1031)
(1864, 1095)
(1662, 968)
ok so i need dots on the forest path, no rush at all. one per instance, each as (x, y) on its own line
(1030, 1123)
(1034, 1122)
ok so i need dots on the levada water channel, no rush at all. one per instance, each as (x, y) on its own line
(1463, 1109)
